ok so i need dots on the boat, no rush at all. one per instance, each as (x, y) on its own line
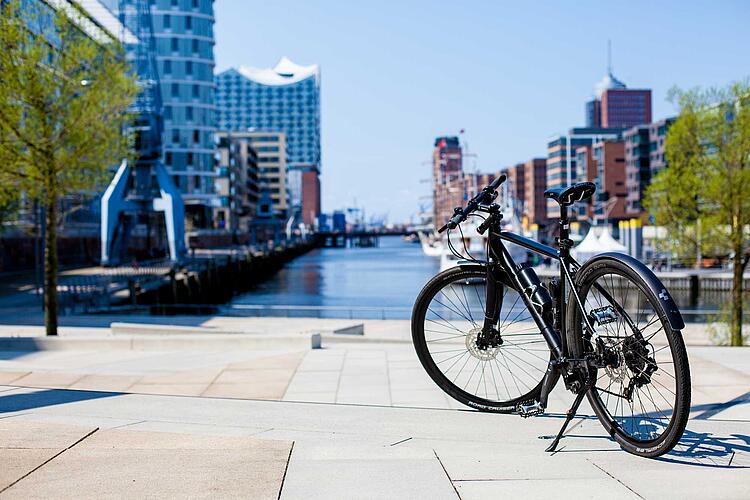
(432, 247)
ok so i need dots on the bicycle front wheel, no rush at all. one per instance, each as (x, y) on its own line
(446, 320)
(642, 395)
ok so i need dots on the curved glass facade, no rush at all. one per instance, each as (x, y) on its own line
(292, 108)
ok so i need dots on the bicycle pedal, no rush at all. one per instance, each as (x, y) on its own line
(529, 409)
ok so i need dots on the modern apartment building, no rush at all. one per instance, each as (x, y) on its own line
(637, 166)
(561, 157)
(447, 169)
(616, 106)
(284, 99)
(237, 183)
(644, 157)
(269, 152)
(657, 135)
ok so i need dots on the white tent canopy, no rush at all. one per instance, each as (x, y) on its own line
(594, 245)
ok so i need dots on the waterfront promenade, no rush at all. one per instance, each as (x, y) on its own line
(244, 407)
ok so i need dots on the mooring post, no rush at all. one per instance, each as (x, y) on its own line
(695, 286)
(131, 291)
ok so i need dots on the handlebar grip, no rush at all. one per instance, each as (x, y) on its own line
(497, 181)
(443, 229)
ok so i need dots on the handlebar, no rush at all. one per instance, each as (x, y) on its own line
(485, 196)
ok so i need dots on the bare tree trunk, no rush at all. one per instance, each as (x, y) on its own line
(735, 328)
(50, 262)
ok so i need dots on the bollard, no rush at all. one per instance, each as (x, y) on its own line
(316, 341)
(694, 290)
(131, 292)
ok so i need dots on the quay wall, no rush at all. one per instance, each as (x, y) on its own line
(211, 279)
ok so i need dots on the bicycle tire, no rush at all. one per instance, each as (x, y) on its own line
(590, 277)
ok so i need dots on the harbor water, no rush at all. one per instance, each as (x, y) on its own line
(378, 282)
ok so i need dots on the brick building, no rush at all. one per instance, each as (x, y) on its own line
(535, 180)
(447, 178)
(603, 163)
(616, 106)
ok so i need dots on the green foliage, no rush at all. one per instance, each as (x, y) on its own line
(62, 105)
(62, 113)
(703, 197)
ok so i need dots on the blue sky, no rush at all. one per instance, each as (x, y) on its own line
(397, 74)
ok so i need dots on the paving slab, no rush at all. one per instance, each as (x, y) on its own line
(117, 383)
(24, 446)
(52, 380)
(8, 377)
(118, 464)
(325, 471)
(562, 489)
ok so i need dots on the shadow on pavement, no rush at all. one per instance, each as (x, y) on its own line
(709, 410)
(47, 397)
(706, 449)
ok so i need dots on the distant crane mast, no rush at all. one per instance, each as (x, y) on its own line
(145, 187)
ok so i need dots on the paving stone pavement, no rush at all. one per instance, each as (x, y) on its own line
(193, 446)
(353, 420)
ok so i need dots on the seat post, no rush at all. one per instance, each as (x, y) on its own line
(564, 241)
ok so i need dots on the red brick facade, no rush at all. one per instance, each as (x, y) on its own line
(310, 196)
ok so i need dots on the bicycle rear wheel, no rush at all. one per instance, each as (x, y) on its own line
(447, 317)
(642, 396)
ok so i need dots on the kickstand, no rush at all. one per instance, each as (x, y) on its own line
(570, 415)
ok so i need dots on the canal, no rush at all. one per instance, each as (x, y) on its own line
(339, 282)
(379, 282)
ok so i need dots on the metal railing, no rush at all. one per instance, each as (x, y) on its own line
(382, 312)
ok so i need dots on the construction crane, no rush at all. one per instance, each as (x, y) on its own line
(145, 187)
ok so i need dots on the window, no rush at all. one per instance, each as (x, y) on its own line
(174, 3)
(175, 136)
(195, 46)
(167, 21)
(167, 67)
(175, 45)
(189, 113)
(175, 90)
(196, 91)
(190, 158)
(189, 23)
(196, 136)
(195, 4)
(189, 68)
(168, 158)
(167, 112)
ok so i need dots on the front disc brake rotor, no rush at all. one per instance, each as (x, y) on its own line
(487, 354)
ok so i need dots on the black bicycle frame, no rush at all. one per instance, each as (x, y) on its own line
(556, 340)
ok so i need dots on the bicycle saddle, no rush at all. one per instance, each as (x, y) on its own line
(567, 195)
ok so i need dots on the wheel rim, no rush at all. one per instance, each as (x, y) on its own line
(635, 341)
(507, 373)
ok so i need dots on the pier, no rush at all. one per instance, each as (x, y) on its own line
(338, 239)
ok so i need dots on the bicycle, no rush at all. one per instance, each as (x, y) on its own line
(614, 337)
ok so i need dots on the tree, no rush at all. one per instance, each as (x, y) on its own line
(66, 88)
(703, 197)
